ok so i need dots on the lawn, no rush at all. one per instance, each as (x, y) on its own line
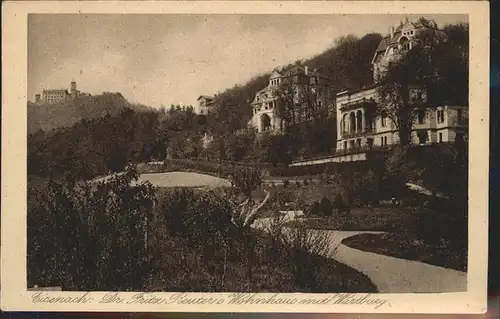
(408, 246)
(182, 179)
(384, 218)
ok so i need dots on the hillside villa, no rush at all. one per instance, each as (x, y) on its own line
(205, 104)
(359, 131)
(360, 128)
(308, 87)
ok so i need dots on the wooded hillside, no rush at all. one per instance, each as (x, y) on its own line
(64, 114)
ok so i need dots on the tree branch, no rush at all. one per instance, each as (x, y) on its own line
(250, 217)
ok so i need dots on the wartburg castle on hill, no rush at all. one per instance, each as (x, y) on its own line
(358, 127)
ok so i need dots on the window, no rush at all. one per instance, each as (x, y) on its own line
(440, 137)
(351, 143)
(382, 141)
(369, 141)
(440, 116)
(422, 137)
(384, 120)
(385, 140)
(421, 116)
(345, 145)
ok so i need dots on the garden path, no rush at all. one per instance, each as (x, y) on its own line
(389, 274)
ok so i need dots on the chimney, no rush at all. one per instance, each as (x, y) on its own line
(392, 32)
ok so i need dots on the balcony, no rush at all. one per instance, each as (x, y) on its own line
(365, 132)
(361, 103)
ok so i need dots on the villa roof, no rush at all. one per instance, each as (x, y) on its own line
(383, 44)
(207, 97)
(356, 90)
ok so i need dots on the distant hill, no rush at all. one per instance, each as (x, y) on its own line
(51, 116)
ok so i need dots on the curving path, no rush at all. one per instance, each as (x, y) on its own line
(389, 274)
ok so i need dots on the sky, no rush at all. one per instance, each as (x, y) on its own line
(168, 59)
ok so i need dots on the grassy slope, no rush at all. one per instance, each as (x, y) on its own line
(408, 246)
(382, 218)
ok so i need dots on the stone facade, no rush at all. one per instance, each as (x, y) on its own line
(51, 96)
(360, 129)
(303, 82)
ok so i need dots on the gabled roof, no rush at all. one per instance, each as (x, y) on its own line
(207, 97)
(383, 44)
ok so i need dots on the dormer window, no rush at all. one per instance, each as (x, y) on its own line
(274, 82)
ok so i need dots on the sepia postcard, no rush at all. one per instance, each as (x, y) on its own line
(245, 156)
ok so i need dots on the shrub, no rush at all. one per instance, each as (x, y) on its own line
(302, 245)
(325, 207)
(275, 231)
(314, 209)
(112, 217)
(246, 179)
(338, 202)
(282, 196)
(202, 219)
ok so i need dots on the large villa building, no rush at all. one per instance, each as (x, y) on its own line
(359, 129)
(297, 85)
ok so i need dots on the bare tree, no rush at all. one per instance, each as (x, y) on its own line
(408, 81)
(301, 99)
(246, 180)
(302, 104)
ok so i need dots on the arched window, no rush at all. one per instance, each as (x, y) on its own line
(359, 120)
(265, 122)
(344, 123)
(404, 43)
(352, 122)
(383, 119)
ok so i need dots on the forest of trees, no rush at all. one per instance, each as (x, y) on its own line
(96, 135)
(93, 147)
